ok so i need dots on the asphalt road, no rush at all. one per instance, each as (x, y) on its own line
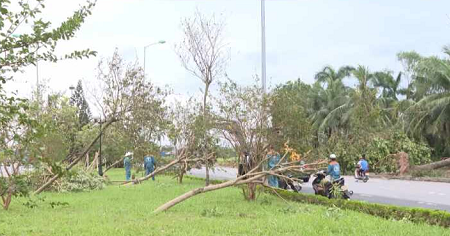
(394, 192)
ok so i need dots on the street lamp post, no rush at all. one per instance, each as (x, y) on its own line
(145, 48)
(263, 45)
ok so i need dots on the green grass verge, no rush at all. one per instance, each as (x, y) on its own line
(417, 215)
(119, 210)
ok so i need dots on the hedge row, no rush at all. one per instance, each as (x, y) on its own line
(416, 215)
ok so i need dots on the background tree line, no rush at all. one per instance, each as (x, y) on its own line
(383, 113)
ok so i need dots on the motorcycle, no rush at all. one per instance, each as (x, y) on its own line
(336, 188)
(360, 175)
(290, 184)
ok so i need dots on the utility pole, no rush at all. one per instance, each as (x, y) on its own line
(263, 45)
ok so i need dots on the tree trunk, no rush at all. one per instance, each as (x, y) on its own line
(205, 189)
(434, 165)
(180, 178)
(76, 160)
(181, 173)
(7, 201)
(251, 191)
(205, 123)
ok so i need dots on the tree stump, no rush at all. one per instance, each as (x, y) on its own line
(402, 159)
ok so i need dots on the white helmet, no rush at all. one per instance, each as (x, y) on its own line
(332, 156)
(128, 154)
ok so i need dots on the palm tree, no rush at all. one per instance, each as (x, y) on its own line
(431, 114)
(328, 94)
(330, 77)
(389, 85)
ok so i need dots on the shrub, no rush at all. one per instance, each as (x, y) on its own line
(377, 147)
(80, 180)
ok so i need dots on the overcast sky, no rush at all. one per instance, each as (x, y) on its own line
(302, 37)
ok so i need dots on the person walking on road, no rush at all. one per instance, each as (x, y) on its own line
(149, 165)
(127, 165)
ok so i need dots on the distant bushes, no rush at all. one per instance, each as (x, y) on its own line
(377, 147)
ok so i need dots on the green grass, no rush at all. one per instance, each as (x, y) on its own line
(128, 211)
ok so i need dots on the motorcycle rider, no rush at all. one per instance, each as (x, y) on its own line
(334, 170)
(363, 165)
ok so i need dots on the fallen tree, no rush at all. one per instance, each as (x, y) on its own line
(433, 165)
(77, 159)
(254, 176)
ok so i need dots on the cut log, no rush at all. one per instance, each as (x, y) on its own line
(434, 165)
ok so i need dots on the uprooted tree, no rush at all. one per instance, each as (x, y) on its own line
(254, 176)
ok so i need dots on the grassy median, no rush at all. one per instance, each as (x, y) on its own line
(128, 211)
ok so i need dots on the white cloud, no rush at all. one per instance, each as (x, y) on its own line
(302, 37)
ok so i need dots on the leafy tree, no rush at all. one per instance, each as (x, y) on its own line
(429, 116)
(79, 101)
(18, 51)
(332, 78)
(330, 101)
(289, 112)
(410, 61)
(389, 85)
(138, 104)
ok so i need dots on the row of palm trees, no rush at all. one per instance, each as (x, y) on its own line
(416, 101)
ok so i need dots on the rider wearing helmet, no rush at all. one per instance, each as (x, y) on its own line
(334, 170)
(363, 165)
